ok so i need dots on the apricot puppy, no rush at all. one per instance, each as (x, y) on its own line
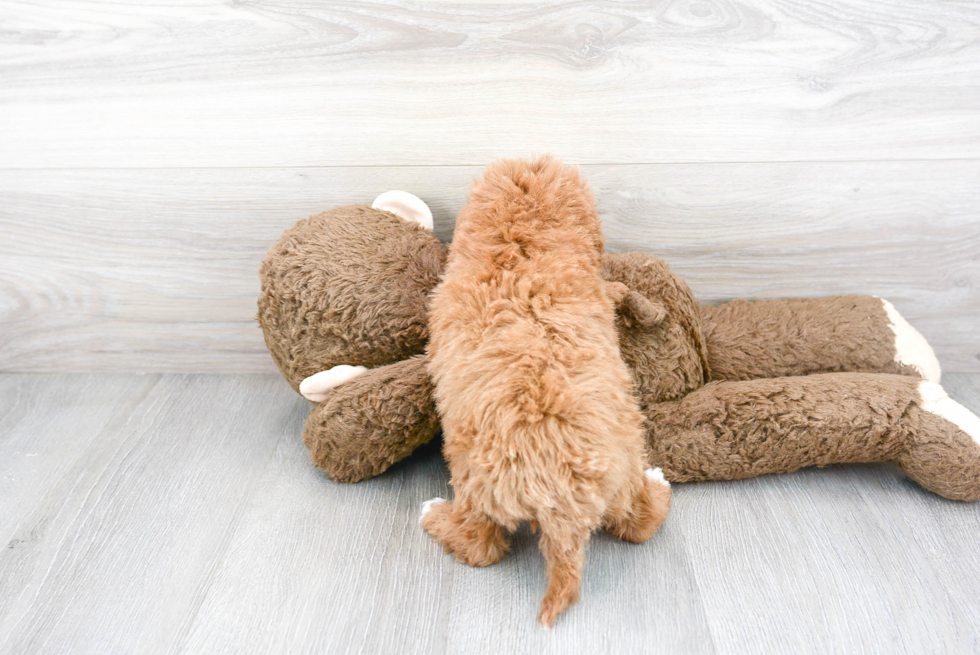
(539, 418)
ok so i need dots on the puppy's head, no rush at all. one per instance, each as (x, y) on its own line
(540, 204)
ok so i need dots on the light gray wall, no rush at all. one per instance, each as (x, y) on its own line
(150, 155)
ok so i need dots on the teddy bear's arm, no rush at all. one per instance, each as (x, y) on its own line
(799, 336)
(730, 430)
(372, 421)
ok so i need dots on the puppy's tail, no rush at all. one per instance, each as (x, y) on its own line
(564, 555)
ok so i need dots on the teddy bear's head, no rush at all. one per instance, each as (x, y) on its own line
(347, 288)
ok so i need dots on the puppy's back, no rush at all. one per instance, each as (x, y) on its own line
(523, 345)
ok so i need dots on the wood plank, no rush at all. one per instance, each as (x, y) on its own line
(119, 553)
(635, 599)
(46, 423)
(156, 270)
(347, 569)
(850, 558)
(825, 560)
(193, 522)
(96, 84)
(331, 568)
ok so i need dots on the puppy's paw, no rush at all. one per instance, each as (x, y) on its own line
(427, 507)
(657, 475)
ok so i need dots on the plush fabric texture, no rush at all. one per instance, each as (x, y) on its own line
(327, 296)
(349, 286)
(667, 358)
(799, 336)
(730, 430)
(539, 418)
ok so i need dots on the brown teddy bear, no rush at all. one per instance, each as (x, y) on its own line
(730, 391)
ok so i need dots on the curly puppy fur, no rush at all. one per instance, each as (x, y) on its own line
(540, 422)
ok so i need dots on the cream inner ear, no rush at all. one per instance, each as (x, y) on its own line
(405, 205)
(317, 387)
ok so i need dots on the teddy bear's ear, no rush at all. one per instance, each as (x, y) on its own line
(641, 309)
(405, 205)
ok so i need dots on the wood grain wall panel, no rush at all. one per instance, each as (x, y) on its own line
(273, 83)
(156, 270)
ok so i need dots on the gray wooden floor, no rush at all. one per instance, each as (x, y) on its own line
(180, 514)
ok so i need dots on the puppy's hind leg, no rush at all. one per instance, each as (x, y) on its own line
(648, 511)
(467, 533)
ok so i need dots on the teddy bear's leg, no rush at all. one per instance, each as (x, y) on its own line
(801, 336)
(472, 536)
(943, 448)
(373, 420)
(647, 510)
(729, 430)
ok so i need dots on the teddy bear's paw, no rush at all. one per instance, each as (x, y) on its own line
(657, 475)
(911, 348)
(427, 506)
(318, 386)
(405, 205)
(933, 398)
